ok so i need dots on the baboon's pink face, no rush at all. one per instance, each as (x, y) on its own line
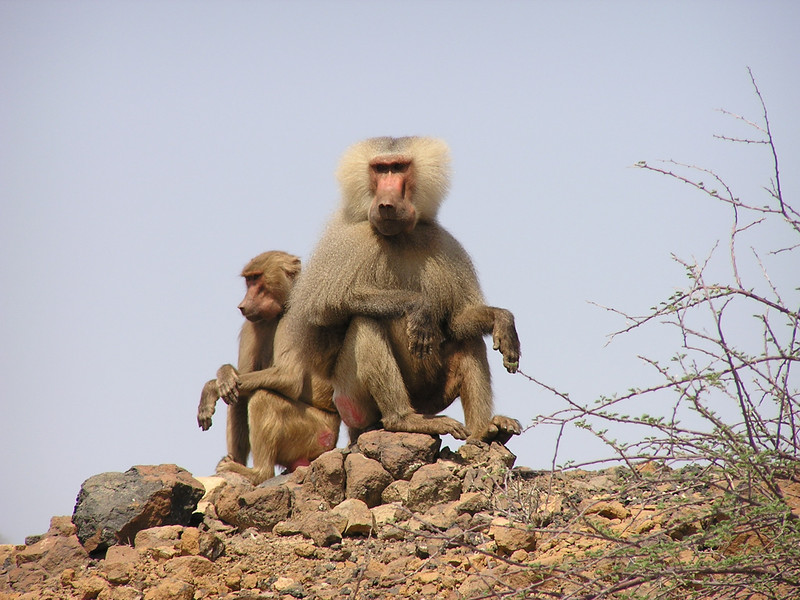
(392, 183)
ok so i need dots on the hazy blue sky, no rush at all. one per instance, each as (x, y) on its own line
(149, 149)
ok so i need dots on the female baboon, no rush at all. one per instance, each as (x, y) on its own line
(389, 308)
(274, 405)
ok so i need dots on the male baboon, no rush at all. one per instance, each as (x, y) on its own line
(389, 308)
(274, 405)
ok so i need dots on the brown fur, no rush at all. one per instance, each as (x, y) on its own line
(389, 308)
(274, 405)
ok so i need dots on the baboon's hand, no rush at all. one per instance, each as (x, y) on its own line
(208, 403)
(500, 429)
(228, 384)
(421, 330)
(225, 463)
(505, 339)
(204, 415)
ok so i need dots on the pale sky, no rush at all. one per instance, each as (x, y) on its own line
(148, 150)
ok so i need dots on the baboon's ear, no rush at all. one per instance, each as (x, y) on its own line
(292, 268)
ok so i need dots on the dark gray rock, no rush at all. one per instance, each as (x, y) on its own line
(112, 508)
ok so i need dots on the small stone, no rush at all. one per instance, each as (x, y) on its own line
(161, 541)
(283, 583)
(396, 491)
(427, 577)
(519, 556)
(472, 502)
(170, 589)
(90, 587)
(286, 585)
(609, 510)
(510, 536)
(305, 550)
(189, 567)
(388, 513)
(358, 515)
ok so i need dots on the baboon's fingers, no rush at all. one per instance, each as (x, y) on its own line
(204, 421)
(231, 397)
(504, 428)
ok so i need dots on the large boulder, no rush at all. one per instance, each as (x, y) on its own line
(400, 453)
(112, 508)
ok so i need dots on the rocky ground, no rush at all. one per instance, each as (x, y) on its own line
(396, 516)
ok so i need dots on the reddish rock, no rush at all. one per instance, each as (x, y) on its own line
(432, 484)
(366, 479)
(401, 454)
(326, 476)
(261, 508)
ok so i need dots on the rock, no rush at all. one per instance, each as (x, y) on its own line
(478, 479)
(326, 476)
(112, 508)
(323, 528)
(609, 510)
(287, 585)
(495, 457)
(397, 491)
(511, 536)
(432, 484)
(191, 542)
(401, 454)
(90, 587)
(306, 499)
(472, 502)
(187, 568)
(22, 578)
(7, 553)
(259, 507)
(119, 564)
(170, 589)
(124, 592)
(210, 484)
(475, 586)
(159, 537)
(366, 479)
(50, 555)
(305, 549)
(441, 516)
(386, 514)
(54, 553)
(360, 520)
(62, 526)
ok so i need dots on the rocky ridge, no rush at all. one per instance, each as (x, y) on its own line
(396, 515)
